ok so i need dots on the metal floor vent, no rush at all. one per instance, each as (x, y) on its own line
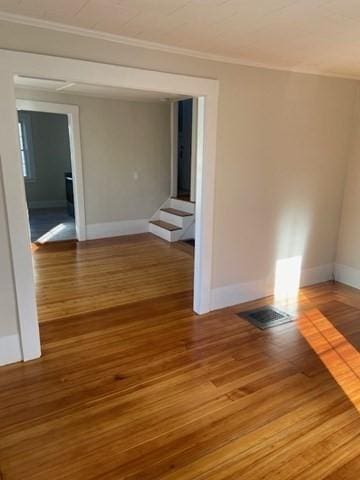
(266, 317)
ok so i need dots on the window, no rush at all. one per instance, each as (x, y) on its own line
(25, 146)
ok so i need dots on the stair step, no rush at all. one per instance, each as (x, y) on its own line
(178, 213)
(182, 205)
(183, 199)
(167, 226)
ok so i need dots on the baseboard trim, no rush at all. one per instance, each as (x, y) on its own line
(347, 275)
(47, 204)
(322, 273)
(116, 229)
(10, 350)
(247, 291)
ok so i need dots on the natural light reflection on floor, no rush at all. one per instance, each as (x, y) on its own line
(51, 233)
(34, 247)
(335, 351)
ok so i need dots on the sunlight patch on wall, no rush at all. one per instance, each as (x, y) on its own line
(290, 250)
(287, 278)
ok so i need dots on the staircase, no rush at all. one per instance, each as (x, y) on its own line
(174, 221)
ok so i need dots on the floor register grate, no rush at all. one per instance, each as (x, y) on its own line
(266, 317)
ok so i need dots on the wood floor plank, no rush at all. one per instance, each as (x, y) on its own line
(242, 451)
(133, 385)
(348, 471)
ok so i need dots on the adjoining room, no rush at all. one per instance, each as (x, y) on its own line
(138, 175)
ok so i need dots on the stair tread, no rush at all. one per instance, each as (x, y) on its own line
(166, 225)
(183, 200)
(178, 213)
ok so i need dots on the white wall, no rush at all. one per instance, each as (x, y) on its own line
(125, 152)
(348, 252)
(282, 139)
(51, 151)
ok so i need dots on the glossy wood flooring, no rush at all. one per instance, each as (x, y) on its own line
(74, 278)
(148, 390)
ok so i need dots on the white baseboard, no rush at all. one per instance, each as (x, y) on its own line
(10, 350)
(115, 229)
(248, 291)
(237, 293)
(347, 275)
(322, 273)
(47, 204)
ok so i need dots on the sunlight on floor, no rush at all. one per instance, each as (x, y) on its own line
(337, 354)
(51, 233)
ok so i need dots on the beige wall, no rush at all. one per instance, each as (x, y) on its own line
(126, 155)
(348, 253)
(8, 312)
(282, 141)
(280, 173)
(51, 151)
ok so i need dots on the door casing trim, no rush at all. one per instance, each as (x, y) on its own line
(206, 90)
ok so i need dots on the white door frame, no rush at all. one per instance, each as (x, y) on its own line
(72, 113)
(193, 150)
(12, 63)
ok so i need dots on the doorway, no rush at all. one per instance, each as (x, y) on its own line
(206, 92)
(184, 145)
(51, 164)
(46, 165)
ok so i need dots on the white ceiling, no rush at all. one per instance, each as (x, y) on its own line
(306, 35)
(72, 88)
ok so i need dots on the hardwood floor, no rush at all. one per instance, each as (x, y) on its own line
(146, 390)
(74, 278)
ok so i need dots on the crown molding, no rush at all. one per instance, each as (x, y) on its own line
(134, 42)
(115, 38)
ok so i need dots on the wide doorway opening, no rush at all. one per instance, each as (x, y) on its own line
(140, 241)
(70, 72)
